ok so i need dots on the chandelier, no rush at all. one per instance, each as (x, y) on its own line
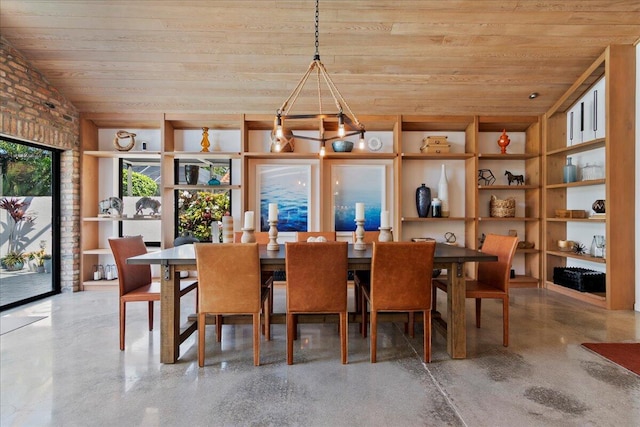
(348, 124)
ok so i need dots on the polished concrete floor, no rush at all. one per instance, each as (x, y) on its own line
(67, 370)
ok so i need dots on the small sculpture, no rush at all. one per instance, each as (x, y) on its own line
(485, 177)
(147, 203)
(123, 134)
(205, 140)
(503, 142)
(108, 205)
(519, 179)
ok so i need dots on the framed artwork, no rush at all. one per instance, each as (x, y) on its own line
(289, 186)
(353, 184)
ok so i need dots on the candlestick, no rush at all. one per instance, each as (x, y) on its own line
(248, 220)
(227, 229)
(385, 235)
(215, 232)
(273, 212)
(384, 219)
(359, 245)
(359, 211)
(273, 236)
(248, 235)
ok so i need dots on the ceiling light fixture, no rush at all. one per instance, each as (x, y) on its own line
(533, 95)
(348, 124)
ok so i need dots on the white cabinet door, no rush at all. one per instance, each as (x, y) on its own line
(597, 129)
(573, 125)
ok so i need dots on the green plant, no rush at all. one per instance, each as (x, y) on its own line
(197, 210)
(141, 185)
(12, 259)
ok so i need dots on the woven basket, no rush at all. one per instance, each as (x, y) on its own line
(502, 208)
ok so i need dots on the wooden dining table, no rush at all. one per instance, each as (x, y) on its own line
(182, 258)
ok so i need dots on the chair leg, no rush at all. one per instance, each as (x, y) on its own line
(412, 328)
(478, 311)
(219, 327)
(363, 317)
(123, 315)
(256, 339)
(505, 322)
(267, 319)
(290, 330)
(343, 337)
(201, 331)
(374, 335)
(151, 315)
(295, 326)
(427, 335)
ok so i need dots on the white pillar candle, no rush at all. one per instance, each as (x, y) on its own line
(384, 219)
(359, 211)
(273, 212)
(248, 219)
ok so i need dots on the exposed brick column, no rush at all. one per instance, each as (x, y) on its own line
(33, 110)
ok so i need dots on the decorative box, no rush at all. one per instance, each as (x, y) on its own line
(435, 144)
(580, 279)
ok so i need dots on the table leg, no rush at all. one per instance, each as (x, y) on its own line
(169, 315)
(456, 327)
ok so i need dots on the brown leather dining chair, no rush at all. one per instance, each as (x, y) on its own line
(400, 282)
(302, 236)
(316, 283)
(134, 280)
(229, 284)
(493, 279)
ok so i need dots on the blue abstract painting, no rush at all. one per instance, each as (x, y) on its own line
(288, 186)
(358, 184)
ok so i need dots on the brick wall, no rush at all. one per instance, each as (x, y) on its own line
(33, 110)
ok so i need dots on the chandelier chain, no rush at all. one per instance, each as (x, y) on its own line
(317, 31)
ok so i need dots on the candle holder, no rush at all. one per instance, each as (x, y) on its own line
(248, 235)
(359, 245)
(385, 235)
(273, 236)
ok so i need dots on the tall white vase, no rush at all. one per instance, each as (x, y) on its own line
(443, 192)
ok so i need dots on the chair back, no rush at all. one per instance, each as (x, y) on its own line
(130, 276)
(316, 276)
(497, 273)
(401, 275)
(262, 237)
(228, 277)
(302, 236)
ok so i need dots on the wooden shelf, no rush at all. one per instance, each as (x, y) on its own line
(155, 155)
(99, 251)
(114, 219)
(508, 187)
(203, 187)
(578, 148)
(215, 155)
(294, 156)
(508, 156)
(569, 254)
(359, 155)
(491, 219)
(522, 281)
(527, 251)
(433, 156)
(431, 219)
(578, 184)
(598, 299)
(594, 220)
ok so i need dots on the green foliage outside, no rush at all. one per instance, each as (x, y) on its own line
(197, 210)
(26, 171)
(141, 185)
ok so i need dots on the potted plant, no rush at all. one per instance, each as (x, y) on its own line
(46, 262)
(13, 261)
(20, 222)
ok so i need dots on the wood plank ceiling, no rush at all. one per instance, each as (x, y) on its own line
(386, 57)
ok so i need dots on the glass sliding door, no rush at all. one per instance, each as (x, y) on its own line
(29, 213)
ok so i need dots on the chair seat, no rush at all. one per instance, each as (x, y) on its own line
(478, 289)
(150, 292)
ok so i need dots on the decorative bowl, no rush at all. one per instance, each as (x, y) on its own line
(565, 245)
(342, 146)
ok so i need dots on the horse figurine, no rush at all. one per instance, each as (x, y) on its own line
(519, 179)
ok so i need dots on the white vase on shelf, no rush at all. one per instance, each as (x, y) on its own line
(443, 192)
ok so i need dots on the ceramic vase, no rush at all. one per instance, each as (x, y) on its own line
(503, 142)
(423, 201)
(443, 192)
(598, 206)
(191, 174)
(185, 239)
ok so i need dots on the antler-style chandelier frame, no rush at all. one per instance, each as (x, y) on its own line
(348, 123)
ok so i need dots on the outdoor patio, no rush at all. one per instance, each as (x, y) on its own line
(18, 285)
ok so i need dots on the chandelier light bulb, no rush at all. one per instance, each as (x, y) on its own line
(322, 151)
(361, 141)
